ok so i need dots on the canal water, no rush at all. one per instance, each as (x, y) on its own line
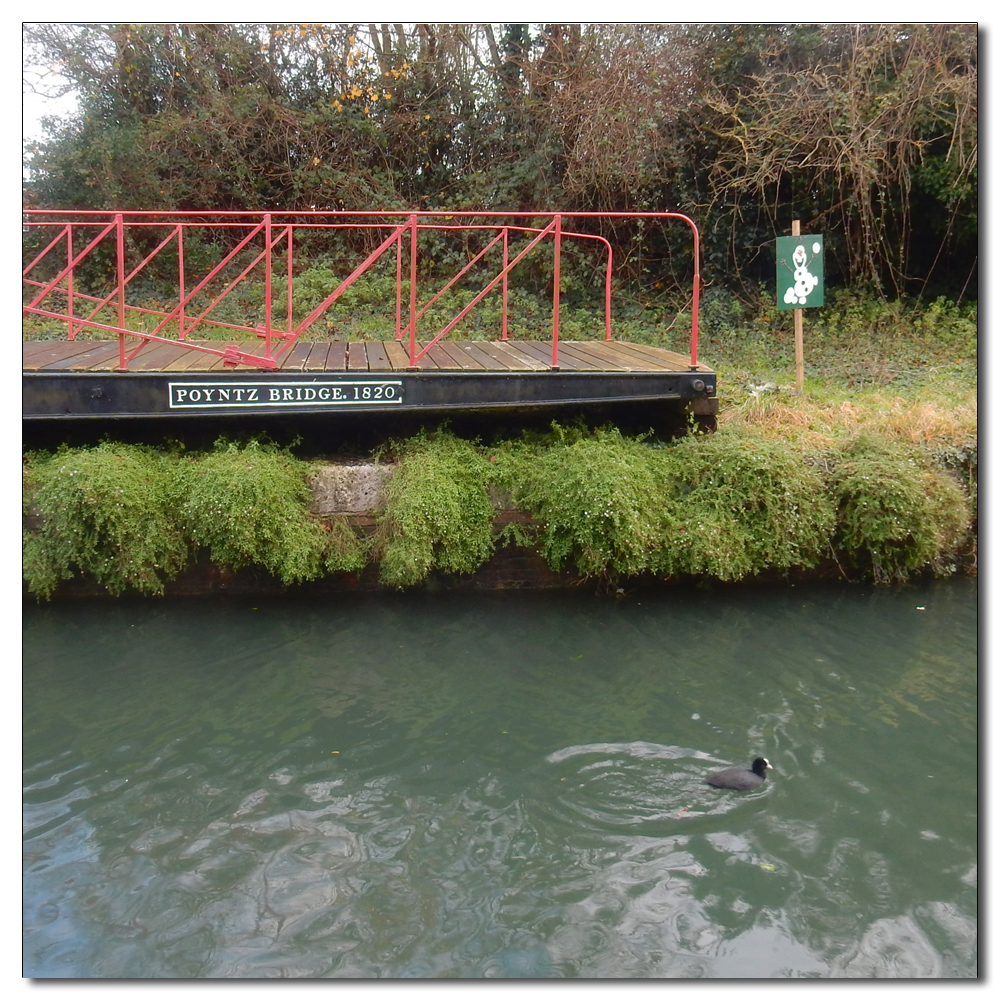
(508, 786)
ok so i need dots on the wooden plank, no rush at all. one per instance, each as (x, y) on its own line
(461, 360)
(397, 353)
(336, 357)
(511, 359)
(519, 361)
(646, 351)
(629, 362)
(29, 348)
(588, 351)
(426, 362)
(639, 360)
(295, 359)
(111, 363)
(634, 361)
(217, 363)
(202, 361)
(254, 347)
(357, 356)
(671, 360)
(568, 358)
(179, 358)
(569, 361)
(682, 361)
(153, 359)
(190, 358)
(316, 362)
(378, 359)
(476, 351)
(83, 362)
(48, 352)
(541, 352)
(88, 360)
(441, 357)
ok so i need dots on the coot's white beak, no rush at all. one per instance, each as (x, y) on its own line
(767, 764)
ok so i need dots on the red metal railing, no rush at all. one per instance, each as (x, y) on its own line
(269, 238)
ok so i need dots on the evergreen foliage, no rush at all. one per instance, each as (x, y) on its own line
(598, 498)
(740, 504)
(896, 511)
(248, 505)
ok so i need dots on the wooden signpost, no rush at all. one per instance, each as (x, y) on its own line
(799, 263)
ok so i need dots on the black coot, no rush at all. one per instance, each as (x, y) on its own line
(739, 777)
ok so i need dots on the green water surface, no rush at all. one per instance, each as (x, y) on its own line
(503, 786)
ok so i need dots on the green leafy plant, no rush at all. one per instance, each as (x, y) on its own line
(248, 504)
(109, 512)
(603, 505)
(612, 506)
(438, 513)
(599, 500)
(742, 504)
(897, 512)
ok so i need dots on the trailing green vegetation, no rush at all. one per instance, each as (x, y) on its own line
(108, 512)
(896, 511)
(247, 504)
(723, 506)
(438, 513)
(728, 506)
(742, 504)
(598, 500)
(131, 516)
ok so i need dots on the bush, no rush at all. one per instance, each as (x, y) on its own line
(730, 505)
(599, 498)
(740, 505)
(726, 507)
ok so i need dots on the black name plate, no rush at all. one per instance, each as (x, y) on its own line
(228, 394)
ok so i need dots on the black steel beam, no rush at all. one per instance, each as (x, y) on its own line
(62, 395)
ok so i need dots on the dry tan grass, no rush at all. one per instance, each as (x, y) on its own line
(820, 423)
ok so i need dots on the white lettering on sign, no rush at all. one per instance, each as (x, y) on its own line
(234, 395)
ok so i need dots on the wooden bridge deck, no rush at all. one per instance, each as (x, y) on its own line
(85, 355)
(78, 379)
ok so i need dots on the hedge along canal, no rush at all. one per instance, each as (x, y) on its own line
(568, 508)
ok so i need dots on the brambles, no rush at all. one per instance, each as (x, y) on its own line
(872, 129)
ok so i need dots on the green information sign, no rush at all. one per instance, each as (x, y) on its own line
(800, 271)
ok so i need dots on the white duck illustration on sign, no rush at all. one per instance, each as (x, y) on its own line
(805, 281)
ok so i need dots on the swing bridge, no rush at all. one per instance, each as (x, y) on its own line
(122, 351)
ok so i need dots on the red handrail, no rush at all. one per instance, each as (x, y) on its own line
(275, 228)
